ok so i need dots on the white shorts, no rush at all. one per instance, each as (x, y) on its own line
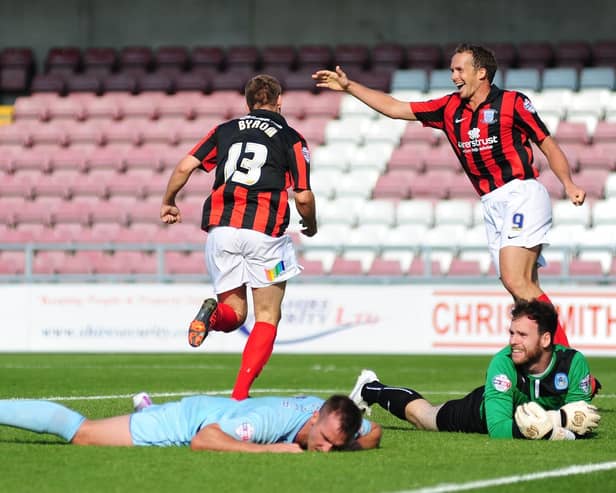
(242, 256)
(517, 214)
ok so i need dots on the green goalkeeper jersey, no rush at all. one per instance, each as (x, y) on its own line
(566, 379)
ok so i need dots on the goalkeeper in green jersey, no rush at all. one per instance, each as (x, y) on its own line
(533, 389)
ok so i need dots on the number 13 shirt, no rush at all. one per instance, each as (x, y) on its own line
(257, 158)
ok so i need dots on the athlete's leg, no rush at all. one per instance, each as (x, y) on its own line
(267, 306)
(41, 417)
(114, 432)
(231, 310)
(402, 402)
(518, 266)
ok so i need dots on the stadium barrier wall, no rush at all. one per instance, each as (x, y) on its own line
(317, 318)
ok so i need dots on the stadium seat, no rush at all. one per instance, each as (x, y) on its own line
(574, 54)
(415, 212)
(564, 212)
(159, 81)
(598, 156)
(585, 268)
(604, 212)
(84, 83)
(463, 268)
(57, 184)
(410, 156)
(505, 52)
(424, 56)
(324, 104)
(385, 267)
(67, 159)
(592, 181)
(314, 57)
(49, 83)
(357, 184)
(352, 56)
(415, 132)
(323, 182)
(99, 60)
(63, 60)
(311, 267)
(120, 82)
(453, 211)
(20, 60)
(346, 267)
(136, 59)
(411, 79)
(39, 211)
(441, 158)
(346, 130)
(440, 80)
(36, 158)
(107, 157)
(597, 78)
(572, 132)
(388, 56)
(393, 185)
(52, 133)
(559, 78)
(191, 263)
(171, 57)
(11, 262)
(21, 184)
(275, 56)
(209, 57)
(604, 53)
(522, 79)
(34, 107)
(535, 54)
(422, 268)
(243, 56)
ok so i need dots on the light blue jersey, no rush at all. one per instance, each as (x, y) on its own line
(256, 420)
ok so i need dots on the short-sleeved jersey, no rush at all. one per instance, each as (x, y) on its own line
(493, 142)
(566, 379)
(256, 420)
(256, 158)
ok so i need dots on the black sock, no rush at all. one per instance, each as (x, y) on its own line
(392, 399)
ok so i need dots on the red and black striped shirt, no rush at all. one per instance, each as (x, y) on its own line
(257, 158)
(492, 142)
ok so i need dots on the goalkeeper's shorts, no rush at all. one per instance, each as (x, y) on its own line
(463, 414)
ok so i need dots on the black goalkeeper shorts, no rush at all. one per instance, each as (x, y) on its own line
(463, 414)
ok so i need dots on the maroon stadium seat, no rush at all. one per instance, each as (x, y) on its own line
(159, 81)
(601, 155)
(427, 56)
(346, 267)
(175, 57)
(535, 54)
(314, 57)
(99, 60)
(431, 184)
(409, 156)
(89, 83)
(352, 56)
(579, 267)
(388, 56)
(276, 56)
(460, 267)
(394, 185)
(312, 267)
(244, 57)
(140, 58)
(193, 81)
(572, 54)
(506, 54)
(53, 83)
(185, 263)
(418, 267)
(604, 53)
(573, 132)
(207, 57)
(384, 267)
(63, 60)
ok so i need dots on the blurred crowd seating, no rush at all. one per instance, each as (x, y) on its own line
(83, 171)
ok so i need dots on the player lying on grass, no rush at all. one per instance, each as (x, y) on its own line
(534, 389)
(262, 424)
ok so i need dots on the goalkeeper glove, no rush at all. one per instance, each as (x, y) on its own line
(533, 421)
(578, 417)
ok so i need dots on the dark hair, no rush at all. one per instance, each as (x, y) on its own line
(482, 58)
(262, 90)
(350, 415)
(541, 312)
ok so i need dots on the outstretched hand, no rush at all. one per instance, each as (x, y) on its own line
(337, 81)
(170, 214)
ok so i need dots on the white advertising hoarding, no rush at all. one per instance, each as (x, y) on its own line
(341, 318)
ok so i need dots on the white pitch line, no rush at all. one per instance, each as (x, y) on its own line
(180, 394)
(487, 483)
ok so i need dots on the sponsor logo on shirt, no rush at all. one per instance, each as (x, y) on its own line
(585, 384)
(245, 432)
(501, 382)
(476, 143)
(272, 274)
(561, 381)
(489, 116)
(306, 154)
(528, 106)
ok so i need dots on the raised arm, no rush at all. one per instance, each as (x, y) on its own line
(379, 101)
(211, 437)
(169, 213)
(560, 167)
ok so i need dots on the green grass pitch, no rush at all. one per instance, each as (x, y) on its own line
(99, 385)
